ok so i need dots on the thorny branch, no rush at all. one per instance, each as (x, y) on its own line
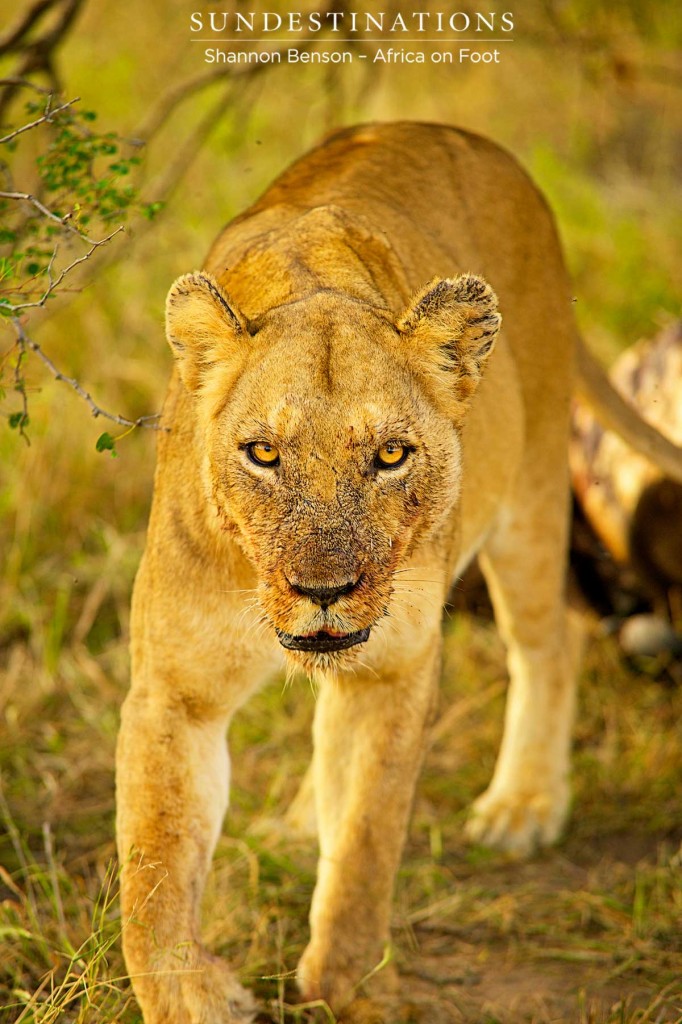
(63, 222)
(25, 344)
(54, 276)
(54, 282)
(47, 118)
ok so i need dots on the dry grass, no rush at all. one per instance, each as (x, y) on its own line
(590, 933)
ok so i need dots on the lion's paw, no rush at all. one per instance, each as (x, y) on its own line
(518, 822)
(319, 981)
(205, 991)
(214, 996)
(338, 981)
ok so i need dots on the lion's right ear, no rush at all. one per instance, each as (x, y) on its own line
(451, 327)
(203, 327)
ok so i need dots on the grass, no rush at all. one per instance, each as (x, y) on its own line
(588, 933)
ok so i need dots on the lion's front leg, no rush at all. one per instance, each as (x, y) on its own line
(172, 790)
(369, 744)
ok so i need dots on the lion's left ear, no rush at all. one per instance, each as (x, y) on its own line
(204, 328)
(451, 326)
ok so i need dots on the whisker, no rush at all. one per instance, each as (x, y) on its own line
(380, 631)
(422, 595)
(393, 621)
(246, 590)
(248, 608)
(417, 579)
(420, 602)
(290, 673)
(367, 668)
(410, 587)
(417, 568)
(251, 602)
(417, 587)
(255, 629)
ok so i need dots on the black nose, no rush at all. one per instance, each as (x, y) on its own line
(324, 596)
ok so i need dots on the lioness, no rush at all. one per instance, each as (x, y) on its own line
(348, 428)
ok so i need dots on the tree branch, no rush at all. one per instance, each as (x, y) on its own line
(15, 36)
(54, 283)
(47, 117)
(38, 54)
(27, 344)
(63, 222)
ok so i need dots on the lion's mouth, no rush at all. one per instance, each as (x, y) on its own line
(322, 640)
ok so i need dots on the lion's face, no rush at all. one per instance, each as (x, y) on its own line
(329, 450)
(325, 462)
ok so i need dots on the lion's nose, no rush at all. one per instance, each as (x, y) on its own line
(324, 596)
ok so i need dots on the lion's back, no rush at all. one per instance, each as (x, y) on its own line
(447, 201)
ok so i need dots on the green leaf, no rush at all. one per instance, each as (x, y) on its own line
(18, 420)
(7, 269)
(106, 443)
(150, 210)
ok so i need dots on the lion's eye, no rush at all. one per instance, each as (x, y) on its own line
(263, 454)
(391, 455)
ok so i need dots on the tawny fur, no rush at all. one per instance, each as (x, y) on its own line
(331, 318)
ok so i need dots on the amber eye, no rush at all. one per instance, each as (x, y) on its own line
(263, 454)
(391, 455)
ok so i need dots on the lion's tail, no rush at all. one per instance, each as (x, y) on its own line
(614, 413)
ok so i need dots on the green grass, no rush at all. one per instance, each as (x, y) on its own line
(591, 931)
(611, 228)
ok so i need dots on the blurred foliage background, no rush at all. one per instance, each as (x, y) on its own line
(587, 96)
